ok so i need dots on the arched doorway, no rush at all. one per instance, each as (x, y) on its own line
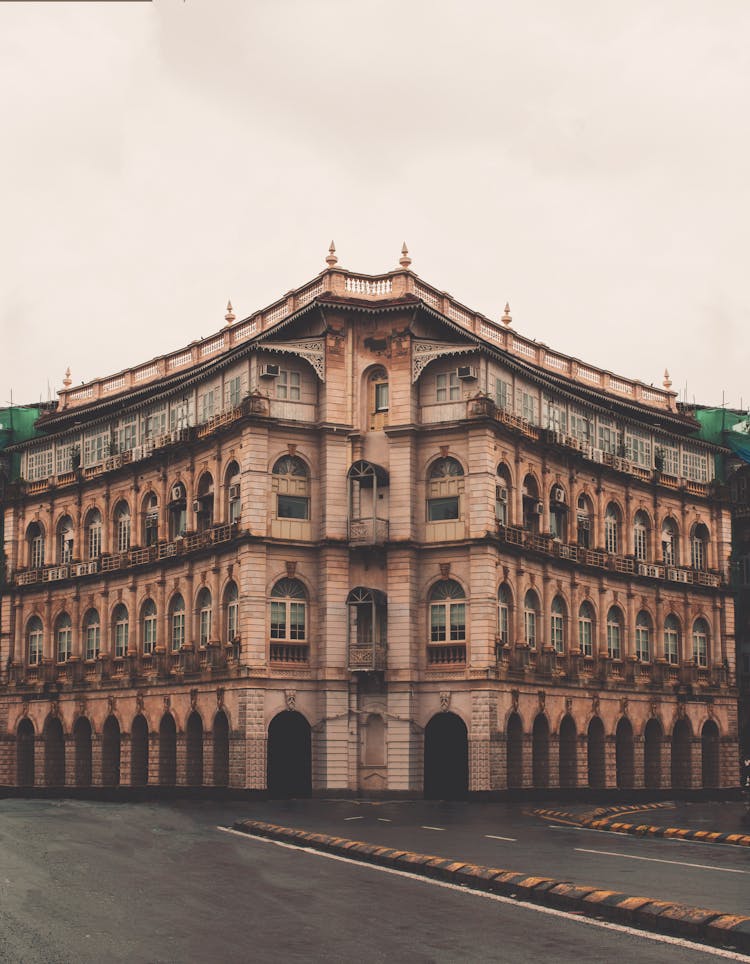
(540, 752)
(289, 772)
(167, 751)
(54, 753)
(25, 754)
(568, 752)
(446, 758)
(82, 740)
(139, 751)
(111, 752)
(710, 754)
(652, 740)
(681, 755)
(595, 754)
(624, 767)
(221, 750)
(194, 750)
(514, 746)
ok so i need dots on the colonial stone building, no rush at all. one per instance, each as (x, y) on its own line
(367, 540)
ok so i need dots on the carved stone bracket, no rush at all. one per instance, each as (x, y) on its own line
(290, 697)
(445, 701)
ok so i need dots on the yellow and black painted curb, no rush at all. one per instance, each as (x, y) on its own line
(606, 818)
(694, 923)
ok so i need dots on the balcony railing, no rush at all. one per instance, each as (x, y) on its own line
(368, 532)
(296, 653)
(446, 654)
(367, 659)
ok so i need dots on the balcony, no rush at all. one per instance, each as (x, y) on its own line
(296, 654)
(446, 654)
(367, 659)
(368, 532)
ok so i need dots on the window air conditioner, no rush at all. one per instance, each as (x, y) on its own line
(177, 493)
(558, 496)
(234, 492)
(269, 371)
(196, 505)
(538, 508)
(467, 373)
(501, 493)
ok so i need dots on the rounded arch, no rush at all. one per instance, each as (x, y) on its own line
(504, 472)
(194, 749)
(34, 640)
(446, 758)
(445, 467)
(82, 733)
(531, 486)
(111, 752)
(446, 589)
(595, 753)
(231, 471)
(289, 764)
(710, 768)
(64, 537)
(220, 731)
(54, 752)
(624, 754)
(139, 751)
(205, 484)
(292, 465)
(167, 751)
(514, 750)
(25, 740)
(653, 738)
(682, 738)
(568, 741)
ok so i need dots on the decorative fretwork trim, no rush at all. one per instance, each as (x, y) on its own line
(423, 352)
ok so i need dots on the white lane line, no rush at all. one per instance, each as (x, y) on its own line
(614, 833)
(354, 818)
(706, 949)
(433, 828)
(492, 836)
(658, 860)
(384, 820)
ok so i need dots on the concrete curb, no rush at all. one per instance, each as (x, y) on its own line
(614, 825)
(694, 923)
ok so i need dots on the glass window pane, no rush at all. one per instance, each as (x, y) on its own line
(439, 510)
(293, 507)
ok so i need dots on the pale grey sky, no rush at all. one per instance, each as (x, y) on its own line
(587, 161)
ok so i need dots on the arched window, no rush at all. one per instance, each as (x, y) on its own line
(699, 547)
(532, 506)
(204, 504)
(148, 616)
(614, 633)
(231, 613)
(122, 527)
(120, 630)
(700, 642)
(640, 536)
(586, 628)
(205, 620)
(177, 511)
(672, 639)
(288, 621)
(557, 624)
(530, 618)
(378, 398)
(35, 637)
(291, 482)
(232, 486)
(91, 634)
(35, 542)
(444, 488)
(502, 495)
(612, 529)
(447, 612)
(558, 513)
(150, 519)
(65, 540)
(643, 637)
(584, 517)
(177, 623)
(670, 543)
(63, 638)
(93, 532)
(503, 615)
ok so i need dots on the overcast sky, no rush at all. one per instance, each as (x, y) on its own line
(587, 161)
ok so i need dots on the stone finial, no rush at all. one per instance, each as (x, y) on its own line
(667, 380)
(331, 260)
(507, 318)
(404, 260)
(230, 315)
(67, 381)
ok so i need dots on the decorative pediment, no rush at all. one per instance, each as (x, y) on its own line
(423, 352)
(311, 349)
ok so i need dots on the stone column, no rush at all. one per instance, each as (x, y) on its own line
(638, 762)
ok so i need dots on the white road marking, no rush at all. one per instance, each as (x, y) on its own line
(538, 908)
(384, 820)
(492, 836)
(354, 818)
(658, 860)
(433, 828)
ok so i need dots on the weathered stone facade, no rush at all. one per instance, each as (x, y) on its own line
(367, 540)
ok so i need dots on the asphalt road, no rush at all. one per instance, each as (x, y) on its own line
(93, 882)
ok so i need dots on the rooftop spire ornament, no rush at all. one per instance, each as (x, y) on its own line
(507, 318)
(67, 381)
(331, 260)
(667, 380)
(230, 315)
(404, 260)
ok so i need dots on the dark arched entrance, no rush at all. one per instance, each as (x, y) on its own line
(25, 754)
(710, 754)
(82, 740)
(595, 754)
(111, 752)
(446, 758)
(221, 750)
(167, 751)
(681, 738)
(568, 752)
(540, 752)
(139, 751)
(289, 772)
(194, 750)
(54, 753)
(652, 740)
(624, 767)
(514, 741)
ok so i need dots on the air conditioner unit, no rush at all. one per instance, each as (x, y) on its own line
(538, 508)
(196, 505)
(177, 493)
(501, 493)
(234, 492)
(467, 373)
(138, 452)
(597, 455)
(269, 371)
(558, 496)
